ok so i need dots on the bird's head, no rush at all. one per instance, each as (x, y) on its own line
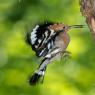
(62, 27)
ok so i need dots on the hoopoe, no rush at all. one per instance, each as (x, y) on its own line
(49, 41)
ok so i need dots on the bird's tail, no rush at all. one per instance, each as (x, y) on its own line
(39, 73)
(36, 77)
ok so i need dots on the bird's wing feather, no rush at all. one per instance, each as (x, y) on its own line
(42, 40)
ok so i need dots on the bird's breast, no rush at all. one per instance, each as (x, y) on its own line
(62, 40)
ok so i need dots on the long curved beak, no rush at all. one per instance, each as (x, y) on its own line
(76, 26)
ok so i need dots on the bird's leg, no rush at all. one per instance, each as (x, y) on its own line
(65, 54)
(40, 72)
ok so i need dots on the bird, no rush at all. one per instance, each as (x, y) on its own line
(49, 41)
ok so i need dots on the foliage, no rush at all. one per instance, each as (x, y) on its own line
(18, 61)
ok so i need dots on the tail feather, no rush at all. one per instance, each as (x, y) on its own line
(41, 70)
(36, 78)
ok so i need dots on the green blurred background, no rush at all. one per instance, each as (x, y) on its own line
(76, 76)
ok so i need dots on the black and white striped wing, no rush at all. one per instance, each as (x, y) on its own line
(41, 39)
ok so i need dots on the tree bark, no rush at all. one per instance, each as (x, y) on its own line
(87, 8)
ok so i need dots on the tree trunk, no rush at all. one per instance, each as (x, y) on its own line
(87, 8)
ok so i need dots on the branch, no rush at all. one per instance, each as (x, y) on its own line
(87, 8)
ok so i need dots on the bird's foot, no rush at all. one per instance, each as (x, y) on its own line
(66, 55)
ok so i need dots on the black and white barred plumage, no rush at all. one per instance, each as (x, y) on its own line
(41, 39)
(48, 41)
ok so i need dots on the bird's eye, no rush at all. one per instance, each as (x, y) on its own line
(64, 27)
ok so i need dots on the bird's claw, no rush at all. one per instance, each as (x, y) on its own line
(66, 55)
